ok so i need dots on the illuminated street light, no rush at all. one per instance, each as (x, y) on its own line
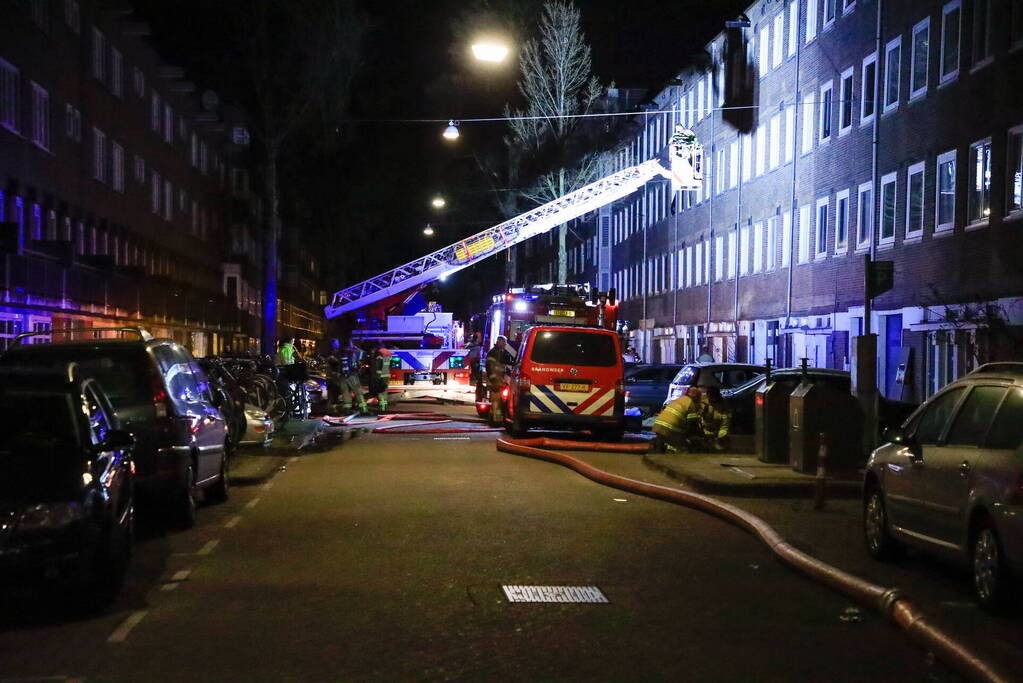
(438, 202)
(428, 230)
(489, 52)
(451, 132)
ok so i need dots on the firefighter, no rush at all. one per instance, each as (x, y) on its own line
(678, 426)
(380, 374)
(715, 419)
(350, 360)
(498, 359)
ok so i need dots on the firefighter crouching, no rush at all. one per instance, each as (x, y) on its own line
(497, 367)
(380, 375)
(715, 419)
(678, 425)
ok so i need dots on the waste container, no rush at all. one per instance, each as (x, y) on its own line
(816, 409)
(771, 435)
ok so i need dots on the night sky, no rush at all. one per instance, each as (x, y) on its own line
(416, 65)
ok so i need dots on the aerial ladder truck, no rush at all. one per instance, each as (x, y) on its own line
(444, 372)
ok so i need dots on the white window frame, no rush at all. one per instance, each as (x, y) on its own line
(168, 124)
(820, 247)
(809, 133)
(778, 52)
(811, 20)
(828, 23)
(790, 133)
(889, 179)
(848, 77)
(98, 54)
(168, 200)
(866, 118)
(40, 116)
(805, 227)
(979, 61)
(760, 160)
(719, 258)
(116, 167)
(73, 16)
(747, 157)
(116, 72)
(744, 251)
(824, 108)
(864, 216)
(1014, 176)
(155, 113)
(771, 243)
(793, 27)
(140, 170)
(758, 247)
(918, 168)
(971, 221)
(919, 27)
(842, 242)
(733, 253)
(99, 155)
(733, 164)
(945, 11)
(764, 49)
(786, 239)
(10, 96)
(944, 158)
(774, 143)
(892, 45)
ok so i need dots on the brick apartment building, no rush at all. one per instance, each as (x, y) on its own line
(124, 197)
(767, 259)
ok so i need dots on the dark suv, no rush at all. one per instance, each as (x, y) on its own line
(163, 398)
(66, 483)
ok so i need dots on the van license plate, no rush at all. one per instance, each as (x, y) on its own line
(564, 313)
(576, 386)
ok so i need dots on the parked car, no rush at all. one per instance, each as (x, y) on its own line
(703, 375)
(66, 483)
(950, 481)
(567, 377)
(741, 399)
(646, 386)
(163, 398)
(259, 428)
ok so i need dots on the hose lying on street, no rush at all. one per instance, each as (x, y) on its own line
(889, 602)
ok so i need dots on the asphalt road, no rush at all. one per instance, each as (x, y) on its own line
(383, 558)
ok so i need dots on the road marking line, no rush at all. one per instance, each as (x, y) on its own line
(253, 503)
(231, 523)
(268, 485)
(620, 500)
(451, 438)
(120, 634)
(208, 548)
(181, 575)
(293, 458)
(168, 587)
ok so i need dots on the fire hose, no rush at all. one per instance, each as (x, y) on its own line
(889, 602)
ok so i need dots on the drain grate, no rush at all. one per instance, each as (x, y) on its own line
(554, 594)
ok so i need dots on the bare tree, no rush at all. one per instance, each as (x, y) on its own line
(558, 85)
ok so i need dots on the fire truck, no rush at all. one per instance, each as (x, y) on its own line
(681, 163)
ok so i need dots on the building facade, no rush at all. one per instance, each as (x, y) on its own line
(767, 259)
(124, 197)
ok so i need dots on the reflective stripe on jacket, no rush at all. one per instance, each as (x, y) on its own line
(679, 415)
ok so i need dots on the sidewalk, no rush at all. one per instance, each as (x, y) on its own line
(741, 474)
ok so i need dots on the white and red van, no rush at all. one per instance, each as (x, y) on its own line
(567, 376)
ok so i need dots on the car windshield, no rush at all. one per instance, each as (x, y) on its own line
(121, 372)
(39, 457)
(560, 347)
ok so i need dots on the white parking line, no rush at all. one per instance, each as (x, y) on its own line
(181, 575)
(253, 503)
(208, 548)
(268, 485)
(120, 634)
(233, 522)
(293, 458)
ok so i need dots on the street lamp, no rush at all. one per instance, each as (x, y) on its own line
(428, 230)
(438, 202)
(489, 51)
(451, 132)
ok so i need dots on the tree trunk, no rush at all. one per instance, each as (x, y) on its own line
(271, 235)
(562, 236)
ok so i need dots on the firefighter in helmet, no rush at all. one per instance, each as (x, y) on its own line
(351, 386)
(498, 359)
(380, 374)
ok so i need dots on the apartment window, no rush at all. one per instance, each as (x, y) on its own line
(747, 157)
(154, 193)
(764, 62)
(73, 16)
(945, 188)
(804, 233)
(1016, 24)
(98, 52)
(864, 217)
(733, 164)
(761, 144)
(1015, 170)
(155, 112)
(950, 19)
(168, 124)
(775, 142)
(845, 108)
(116, 75)
(117, 166)
(793, 26)
(830, 11)
(981, 32)
(824, 118)
(779, 30)
(811, 19)
(40, 116)
(744, 250)
(842, 222)
(203, 157)
(915, 200)
(140, 169)
(808, 121)
(168, 200)
(919, 61)
(790, 131)
(888, 198)
(73, 122)
(786, 238)
(719, 173)
(99, 155)
(10, 87)
(821, 243)
(699, 262)
(719, 258)
(979, 197)
(758, 247)
(139, 82)
(868, 88)
(732, 252)
(893, 66)
(699, 100)
(771, 243)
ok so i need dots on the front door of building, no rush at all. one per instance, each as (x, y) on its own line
(892, 350)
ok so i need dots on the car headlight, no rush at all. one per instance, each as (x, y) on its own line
(255, 414)
(49, 516)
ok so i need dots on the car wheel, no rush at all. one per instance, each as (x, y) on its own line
(185, 505)
(220, 490)
(990, 578)
(880, 544)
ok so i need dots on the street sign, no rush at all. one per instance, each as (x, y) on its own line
(880, 277)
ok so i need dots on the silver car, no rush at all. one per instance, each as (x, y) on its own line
(950, 481)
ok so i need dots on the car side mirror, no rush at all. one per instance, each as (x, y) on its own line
(116, 440)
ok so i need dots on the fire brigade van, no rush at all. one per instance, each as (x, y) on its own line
(567, 376)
